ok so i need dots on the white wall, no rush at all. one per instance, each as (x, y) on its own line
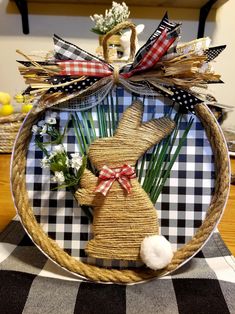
(225, 64)
(77, 30)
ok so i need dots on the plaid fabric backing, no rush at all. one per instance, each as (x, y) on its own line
(32, 284)
(181, 206)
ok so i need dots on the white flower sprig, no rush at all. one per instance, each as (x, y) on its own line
(67, 170)
(117, 14)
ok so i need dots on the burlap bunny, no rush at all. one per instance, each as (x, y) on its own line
(125, 225)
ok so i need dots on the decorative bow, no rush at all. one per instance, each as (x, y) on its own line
(160, 67)
(107, 177)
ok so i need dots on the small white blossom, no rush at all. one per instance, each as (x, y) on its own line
(53, 114)
(58, 149)
(45, 163)
(51, 121)
(43, 130)
(52, 155)
(35, 129)
(41, 123)
(117, 14)
(76, 161)
(67, 162)
(58, 177)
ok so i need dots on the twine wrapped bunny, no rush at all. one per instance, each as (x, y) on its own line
(125, 224)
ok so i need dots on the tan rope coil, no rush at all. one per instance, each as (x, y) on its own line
(9, 127)
(114, 31)
(52, 249)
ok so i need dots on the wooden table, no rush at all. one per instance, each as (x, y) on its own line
(7, 211)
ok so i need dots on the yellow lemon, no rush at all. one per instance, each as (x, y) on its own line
(6, 110)
(26, 108)
(5, 98)
(19, 98)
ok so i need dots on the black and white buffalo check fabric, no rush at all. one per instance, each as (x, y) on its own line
(67, 51)
(181, 207)
(32, 284)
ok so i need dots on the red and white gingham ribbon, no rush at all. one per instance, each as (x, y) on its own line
(101, 69)
(84, 68)
(159, 48)
(107, 177)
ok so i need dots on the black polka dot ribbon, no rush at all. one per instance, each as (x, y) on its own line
(71, 88)
(213, 52)
(185, 99)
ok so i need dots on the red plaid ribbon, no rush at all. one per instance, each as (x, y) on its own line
(100, 69)
(107, 177)
(154, 54)
(86, 68)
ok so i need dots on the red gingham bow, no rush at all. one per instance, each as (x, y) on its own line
(107, 177)
(101, 69)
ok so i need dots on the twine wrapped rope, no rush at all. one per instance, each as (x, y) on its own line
(52, 249)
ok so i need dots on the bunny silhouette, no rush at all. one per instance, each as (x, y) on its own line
(125, 225)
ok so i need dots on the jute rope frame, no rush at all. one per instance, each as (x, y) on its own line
(91, 272)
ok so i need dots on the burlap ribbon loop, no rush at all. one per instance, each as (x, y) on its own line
(115, 30)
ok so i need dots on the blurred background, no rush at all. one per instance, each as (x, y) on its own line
(72, 22)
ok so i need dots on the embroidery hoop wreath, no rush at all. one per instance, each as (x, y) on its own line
(94, 273)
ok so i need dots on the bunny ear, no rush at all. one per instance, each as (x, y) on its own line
(155, 130)
(131, 119)
(140, 28)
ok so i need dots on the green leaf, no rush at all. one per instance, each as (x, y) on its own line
(82, 168)
(97, 31)
(92, 123)
(76, 131)
(172, 161)
(40, 145)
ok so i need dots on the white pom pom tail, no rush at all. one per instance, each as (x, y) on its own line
(156, 252)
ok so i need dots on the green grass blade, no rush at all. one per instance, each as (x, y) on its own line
(92, 124)
(40, 145)
(177, 119)
(86, 129)
(101, 133)
(65, 128)
(76, 131)
(113, 113)
(104, 120)
(143, 161)
(80, 128)
(172, 161)
(109, 118)
(117, 107)
(157, 167)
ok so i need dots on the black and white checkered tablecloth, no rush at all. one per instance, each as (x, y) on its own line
(181, 206)
(32, 284)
